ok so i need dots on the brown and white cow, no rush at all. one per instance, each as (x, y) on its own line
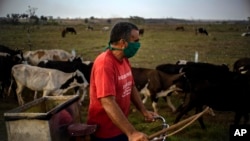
(36, 56)
(153, 83)
(50, 81)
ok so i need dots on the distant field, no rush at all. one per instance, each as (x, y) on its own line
(160, 44)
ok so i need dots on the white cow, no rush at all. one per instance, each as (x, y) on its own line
(105, 28)
(36, 56)
(50, 81)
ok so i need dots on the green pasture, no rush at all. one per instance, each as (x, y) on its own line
(160, 44)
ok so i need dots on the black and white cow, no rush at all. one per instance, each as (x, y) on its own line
(50, 81)
(6, 50)
(153, 83)
(68, 67)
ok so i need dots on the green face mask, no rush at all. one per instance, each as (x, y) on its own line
(130, 50)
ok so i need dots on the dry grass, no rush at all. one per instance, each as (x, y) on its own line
(160, 44)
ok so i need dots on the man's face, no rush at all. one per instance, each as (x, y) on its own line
(134, 36)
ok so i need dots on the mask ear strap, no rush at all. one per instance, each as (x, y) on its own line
(111, 48)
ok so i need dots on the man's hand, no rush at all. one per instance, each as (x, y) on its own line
(138, 136)
(149, 116)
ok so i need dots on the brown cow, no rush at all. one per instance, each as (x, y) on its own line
(153, 83)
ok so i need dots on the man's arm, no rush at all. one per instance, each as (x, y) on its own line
(120, 120)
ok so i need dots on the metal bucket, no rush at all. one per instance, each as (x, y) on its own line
(44, 119)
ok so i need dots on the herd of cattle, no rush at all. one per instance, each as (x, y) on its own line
(56, 71)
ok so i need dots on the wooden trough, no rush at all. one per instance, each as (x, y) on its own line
(44, 119)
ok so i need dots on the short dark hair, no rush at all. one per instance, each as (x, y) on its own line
(121, 30)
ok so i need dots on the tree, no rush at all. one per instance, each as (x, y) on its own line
(15, 18)
(43, 19)
(31, 11)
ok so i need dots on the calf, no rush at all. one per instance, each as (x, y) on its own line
(34, 57)
(50, 81)
(152, 83)
(68, 67)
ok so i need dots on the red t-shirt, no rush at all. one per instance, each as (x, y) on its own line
(109, 76)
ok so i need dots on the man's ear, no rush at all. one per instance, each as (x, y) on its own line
(123, 43)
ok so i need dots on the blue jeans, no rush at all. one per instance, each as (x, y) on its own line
(121, 137)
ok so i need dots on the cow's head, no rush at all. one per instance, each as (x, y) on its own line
(80, 79)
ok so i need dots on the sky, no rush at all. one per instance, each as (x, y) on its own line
(181, 9)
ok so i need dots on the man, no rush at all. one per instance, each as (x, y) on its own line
(112, 88)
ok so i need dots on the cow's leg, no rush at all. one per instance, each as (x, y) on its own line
(185, 109)
(200, 119)
(35, 95)
(238, 116)
(170, 104)
(145, 99)
(146, 93)
(154, 102)
(45, 93)
(83, 95)
(246, 118)
(2, 89)
(19, 90)
(154, 105)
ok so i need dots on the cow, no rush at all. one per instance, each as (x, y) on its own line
(8, 58)
(179, 28)
(152, 83)
(201, 30)
(50, 81)
(67, 30)
(90, 28)
(105, 28)
(198, 77)
(69, 67)
(6, 50)
(141, 31)
(36, 56)
(230, 93)
(71, 30)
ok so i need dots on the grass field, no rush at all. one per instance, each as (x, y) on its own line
(160, 44)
